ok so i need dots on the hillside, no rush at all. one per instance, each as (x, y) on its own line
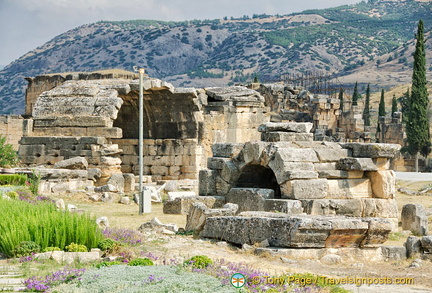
(346, 41)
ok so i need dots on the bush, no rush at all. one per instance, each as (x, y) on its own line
(26, 248)
(107, 244)
(51, 249)
(107, 264)
(13, 179)
(198, 262)
(76, 248)
(141, 262)
(45, 225)
(8, 156)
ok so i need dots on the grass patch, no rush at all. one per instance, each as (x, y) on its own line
(45, 225)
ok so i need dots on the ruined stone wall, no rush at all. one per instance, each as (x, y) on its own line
(322, 178)
(12, 127)
(39, 84)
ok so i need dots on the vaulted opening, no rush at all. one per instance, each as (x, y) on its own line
(257, 176)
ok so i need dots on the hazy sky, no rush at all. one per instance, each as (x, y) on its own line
(27, 24)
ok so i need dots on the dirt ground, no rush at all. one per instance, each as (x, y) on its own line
(182, 247)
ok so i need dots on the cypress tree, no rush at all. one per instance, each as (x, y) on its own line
(355, 96)
(341, 100)
(417, 127)
(381, 108)
(366, 111)
(394, 105)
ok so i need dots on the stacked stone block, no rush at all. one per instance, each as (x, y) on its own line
(324, 178)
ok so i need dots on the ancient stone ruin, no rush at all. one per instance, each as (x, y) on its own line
(296, 192)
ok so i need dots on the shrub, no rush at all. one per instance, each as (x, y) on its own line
(26, 248)
(141, 262)
(107, 264)
(51, 248)
(8, 156)
(12, 194)
(199, 261)
(45, 225)
(107, 244)
(76, 248)
(13, 179)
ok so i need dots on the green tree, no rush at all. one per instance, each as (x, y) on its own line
(356, 96)
(381, 108)
(394, 108)
(366, 111)
(8, 156)
(418, 136)
(404, 102)
(341, 100)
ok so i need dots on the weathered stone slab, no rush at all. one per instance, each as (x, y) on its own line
(199, 213)
(378, 232)
(286, 206)
(305, 231)
(286, 136)
(344, 207)
(372, 150)
(297, 127)
(73, 121)
(413, 246)
(207, 182)
(216, 163)
(331, 154)
(305, 189)
(380, 208)
(182, 206)
(349, 188)
(249, 199)
(226, 150)
(394, 253)
(172, 195)
(414, 219)
(252, 151)
(383, 183)
(356, 164)
(117, 180)
(426, 243)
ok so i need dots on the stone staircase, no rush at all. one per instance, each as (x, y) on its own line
(10, 278)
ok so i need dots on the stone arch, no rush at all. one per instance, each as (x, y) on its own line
(258, 176)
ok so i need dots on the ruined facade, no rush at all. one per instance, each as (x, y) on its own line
(98, 120)
(304, 193)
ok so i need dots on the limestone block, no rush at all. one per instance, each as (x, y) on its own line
(382, 163)
(182, 206)
(285, 170)
(159, 170)
(229, 172)
(286, 136)
(297, 127)
(356, 164)
(31, 150)
(378, 232)
(426, 243)
(331, 154)
(216, 163)
(199, 213)
(249, 199)
(207, 182)
(77, 163)
(349, 188)
(383, 183)
(106, 188)
(287, 206)
(118, 181)
(108, 132)
(73, 121)
(110, 161)
(394, 253)
(226, 150)
(305, 189)
(414, 219)
(252, 152)
(339, 174)
(222, 187)
(297, 155)
(343, 207)
(381, 208)
(338, 236)
(372, 150)
(413, 246)
(172, 195)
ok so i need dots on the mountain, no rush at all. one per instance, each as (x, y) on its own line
(349, 42)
